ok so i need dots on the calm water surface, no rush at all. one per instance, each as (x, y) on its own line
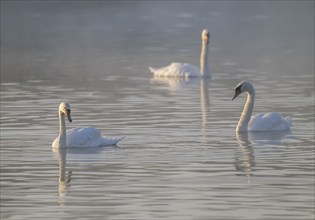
(181, 158)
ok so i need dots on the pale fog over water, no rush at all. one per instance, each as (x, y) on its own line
(180, 158)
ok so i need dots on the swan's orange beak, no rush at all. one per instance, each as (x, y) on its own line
(68, 116)
(206, 39)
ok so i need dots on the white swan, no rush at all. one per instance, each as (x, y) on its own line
(188, 70)
(79, 137)
(271, 121)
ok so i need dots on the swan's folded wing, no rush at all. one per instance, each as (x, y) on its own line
(105, 141)
(272, 121)
(278, 122)
(171, 70)
(255, 122)
(189, 70)
(177, 70)
(82, 136)
(288, 121)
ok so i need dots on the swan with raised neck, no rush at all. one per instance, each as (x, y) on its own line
(271, 121)
(204, 56)
(79, 137)
(64, 111)
(188, 70)
(248, 87)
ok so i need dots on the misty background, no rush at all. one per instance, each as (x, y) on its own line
(55, 39)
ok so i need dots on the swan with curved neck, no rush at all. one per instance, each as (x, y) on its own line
(271, 121)
(79, 137)
(188, 70)
(64, 111)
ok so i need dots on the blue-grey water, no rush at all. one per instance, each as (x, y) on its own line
(180, 158)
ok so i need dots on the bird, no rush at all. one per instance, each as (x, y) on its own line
(272, 121)
(79, 137)
(187, 70)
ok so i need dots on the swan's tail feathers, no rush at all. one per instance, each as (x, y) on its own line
(152, 70)
(119, 139)
(288, 120)
(114, 141)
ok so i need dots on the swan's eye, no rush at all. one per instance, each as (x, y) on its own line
(238, 89)
(68, 111)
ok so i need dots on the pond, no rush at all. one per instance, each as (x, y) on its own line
(181, 157)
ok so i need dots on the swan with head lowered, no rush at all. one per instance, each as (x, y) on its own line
(79, 137)
(271, 121)
(186, 70)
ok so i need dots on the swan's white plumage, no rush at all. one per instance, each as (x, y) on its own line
(186, 70)
(272, 121)
(88, 137)
(180, 70)
(79, 137)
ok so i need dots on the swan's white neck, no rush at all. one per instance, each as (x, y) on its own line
(62, 130)
(204, 66)
(247, 111)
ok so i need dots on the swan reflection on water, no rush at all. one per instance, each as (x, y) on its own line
(177, 83)
(204, 100)
(77, 155)
(245, 155)
(64, 179)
